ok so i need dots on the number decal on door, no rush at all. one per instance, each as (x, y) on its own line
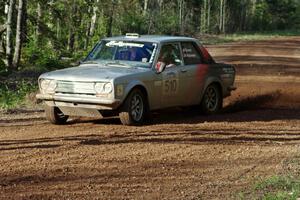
(170, 83)
(170, 86)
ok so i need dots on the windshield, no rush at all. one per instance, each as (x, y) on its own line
(126, 52)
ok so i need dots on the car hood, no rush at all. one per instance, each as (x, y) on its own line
(92, 73)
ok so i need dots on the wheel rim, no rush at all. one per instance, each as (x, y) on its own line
(137, 107)
(211, 99)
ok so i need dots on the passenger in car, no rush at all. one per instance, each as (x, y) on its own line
(166, 56)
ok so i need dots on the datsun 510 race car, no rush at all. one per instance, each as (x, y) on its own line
(132, 75)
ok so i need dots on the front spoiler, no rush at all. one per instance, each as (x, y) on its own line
(80, 99)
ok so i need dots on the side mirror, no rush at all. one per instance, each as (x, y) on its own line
(160, 67)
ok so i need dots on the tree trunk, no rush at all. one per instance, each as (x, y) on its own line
(208, 15)
(87, 29)
(18, 46)
(9, 51)
(87, 36)
(2, 29)
(224, 17)
(110, 21)
(58, 29)
(91, 25)
(72, 16)
(222, 20)
(180, 5)
(221, 16)
(2, 46)
(38, 23)
(71, 40)
(253, 10)
(160, 5)
(94, 18)
(145, 7)
(204, 17)
(24, 36)
(243, 15)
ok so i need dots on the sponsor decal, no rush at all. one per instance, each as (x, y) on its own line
(153, 53)
(123, 44)
(188, 53)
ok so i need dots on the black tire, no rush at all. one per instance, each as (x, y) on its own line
(131, 114)
(55, 115)
(212, 100)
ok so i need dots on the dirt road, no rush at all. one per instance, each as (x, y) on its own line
(183, 155)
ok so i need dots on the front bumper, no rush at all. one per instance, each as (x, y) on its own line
(76, 100)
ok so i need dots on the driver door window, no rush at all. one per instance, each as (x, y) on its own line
(170, 55)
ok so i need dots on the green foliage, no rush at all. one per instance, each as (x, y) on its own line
(283, 13)
(13, 95)
(274, 188)
(285, 186)
(261, 17)
(40, 58)
(166, 23)
(279, 187)
(132, 20)
(3, 68)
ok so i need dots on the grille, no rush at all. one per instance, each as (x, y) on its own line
(75, 87)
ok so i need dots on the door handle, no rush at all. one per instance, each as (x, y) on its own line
(183, 70)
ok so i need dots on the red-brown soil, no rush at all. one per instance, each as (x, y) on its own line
(182, 155)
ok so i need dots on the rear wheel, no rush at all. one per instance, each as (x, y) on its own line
(55, 115)
(212, 99)
(134, 109)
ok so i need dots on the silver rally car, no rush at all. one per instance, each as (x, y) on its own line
(132, 75)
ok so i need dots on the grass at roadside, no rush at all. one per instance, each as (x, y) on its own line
(18, 88)
(17, 94)
(251, 36)
(279, 187)
(285, 186)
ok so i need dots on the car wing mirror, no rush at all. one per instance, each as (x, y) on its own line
(160, 67)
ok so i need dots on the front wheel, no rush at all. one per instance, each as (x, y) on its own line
(134, 109)
(212, 99)
(55, 115)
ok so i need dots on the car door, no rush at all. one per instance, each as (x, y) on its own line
(170, 55)
(192, 74)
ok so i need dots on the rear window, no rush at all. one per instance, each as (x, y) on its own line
(190, 54)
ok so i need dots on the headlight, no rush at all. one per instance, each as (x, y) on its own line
(44, 83)
(107, 88)
(103, 88)
(48, 86)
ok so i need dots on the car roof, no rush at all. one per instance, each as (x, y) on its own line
(152, 38)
